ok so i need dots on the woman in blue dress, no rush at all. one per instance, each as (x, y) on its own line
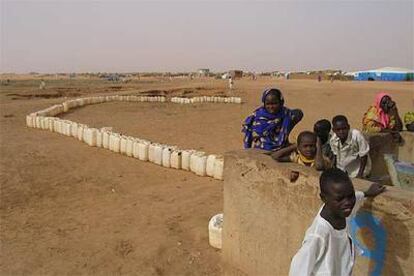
(269, 126)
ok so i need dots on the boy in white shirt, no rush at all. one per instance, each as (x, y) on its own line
(350, 148)
(327, 248)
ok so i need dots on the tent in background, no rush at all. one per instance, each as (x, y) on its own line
(385, 74)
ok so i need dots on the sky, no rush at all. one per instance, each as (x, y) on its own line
(182, 36)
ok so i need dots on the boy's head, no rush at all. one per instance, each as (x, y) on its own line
(341, 127)
(273, 100)
(322, 129)
(307, 144)
(337, 192)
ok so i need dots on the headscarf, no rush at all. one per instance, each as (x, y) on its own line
(272, 129)
(383, 117)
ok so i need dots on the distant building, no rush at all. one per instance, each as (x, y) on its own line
(236, 74)
(203, 72)
(385, 74)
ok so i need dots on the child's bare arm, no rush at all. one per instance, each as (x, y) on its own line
(282, 155)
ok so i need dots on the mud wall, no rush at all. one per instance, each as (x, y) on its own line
(266, 216)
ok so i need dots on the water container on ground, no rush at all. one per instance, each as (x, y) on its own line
(176, 159)
(123, 144)
(98, 138)
(166, 157)
(143, 150)
(151, 152)
(90, 135)
(211, 160)
(74, 129)
(218, 168)
(115, 142)
(81, 128)
(130, 146)
(105, 139)
(198, 162)
(215, 227)
(185, 159)
(65, 106)
(158, 149)
(51, 123)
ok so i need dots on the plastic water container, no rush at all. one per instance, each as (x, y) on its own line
(176, 159)
(185, 159)
(51, 123)
(130, 146)
(123, 144)
(198, 163)
(60, 126)
(115, 142)
(158, 149)
(65, 106)
(66, 127)
(218, 168)
(43, 122)
(74, 129)
(89, 136)
(55, 125)
(29, 120)
(211, 160)
(81, 129)
(37, 121)
(166, 157)
(215, 227)
(99, 138)
(105, 139)
(143, 150)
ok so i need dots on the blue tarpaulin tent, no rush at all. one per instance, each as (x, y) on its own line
(385, 74)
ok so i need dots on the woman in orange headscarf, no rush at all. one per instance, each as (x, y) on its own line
(382, 116)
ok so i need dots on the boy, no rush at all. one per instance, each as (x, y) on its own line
(322, 129)
(350, 148)
(308, 152)
(327, 248)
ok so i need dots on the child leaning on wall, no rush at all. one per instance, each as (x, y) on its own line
(307, 152)
(350, 148)
(328, 248)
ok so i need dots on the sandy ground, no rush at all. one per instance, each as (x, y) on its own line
(67, 208)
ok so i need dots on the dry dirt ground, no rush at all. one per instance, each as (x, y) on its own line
(67, 208)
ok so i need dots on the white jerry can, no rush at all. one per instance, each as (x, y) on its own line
(99, 138)
(158, 149)
(65, 106)
(80, 131)
(115, 142)
(151, 152)
(130, 146)
(176, 159)
(105, 139)
(74, 129)
(143, 150)
(166, 157)
(123, 144)
(38, 121)
(185, 159)
(90, 136)
(51, 123)
(215, 227)
(29, 120)
(198, 162)
(211, 160)
(68, 128)
(218, 168)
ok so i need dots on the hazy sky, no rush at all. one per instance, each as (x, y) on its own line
(73, 36)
